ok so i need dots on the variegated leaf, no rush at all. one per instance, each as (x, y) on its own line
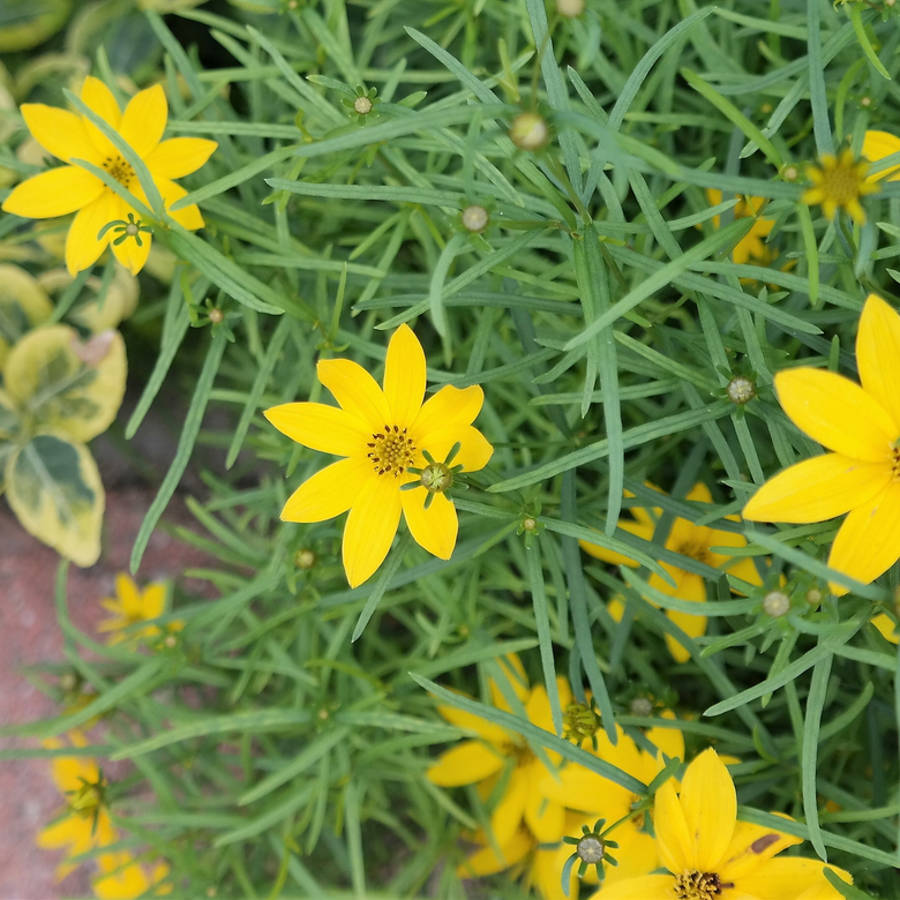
(24, 304)
(66, 385)
(54, 488)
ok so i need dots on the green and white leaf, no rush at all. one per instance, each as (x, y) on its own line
(24, 304)
(63, 384)
(54, 488)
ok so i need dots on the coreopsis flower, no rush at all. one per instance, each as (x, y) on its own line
(71, 188)
(122, 877)
(481, 760)
(710, 855)
(382, 435)
(876, 146)
(131, 606)
(686, 539)
(752, 245)
(860, 425)
(85, 822)
(838, 182)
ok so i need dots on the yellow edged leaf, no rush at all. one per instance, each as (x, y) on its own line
(67, 385)
(24, 304)
(54, 489)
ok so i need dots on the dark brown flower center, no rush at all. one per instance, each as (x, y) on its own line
(895, 463)
(119, 169)
(696, 885)
(391, 451)
(695, 550)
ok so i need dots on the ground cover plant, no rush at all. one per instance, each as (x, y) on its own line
(545, 356)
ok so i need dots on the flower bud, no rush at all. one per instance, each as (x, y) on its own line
(741, 390)
(529, 131)
(475, 218)
(776, 604)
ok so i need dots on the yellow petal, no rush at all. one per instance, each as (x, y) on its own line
(544, 817)
(328, 493)
(180, 156)
(450, 407)
(83, 247)
(675, 842)
(509, 810)
(433, 529)
(474, 451)
(751, 847)
(688, 587)
(128, 594)
(144, 120)
(56, 192)
(636, 854)
(370, 528)
(67, 830)
(885, 624)
(709, 802)
(132, 256)
(837, 413)
(699, 493)
(817, 489)
(404, 376)
(877, 145)
(153, 601)
(577, 787)
(516, 677)
(669, 741)
(188, 216)
(467, 763)
(319, 427)
(868, 543)
(793, 877)
(488, 861)
(490, 732)
(645, 887)
(356, 391)
(100, 99)
(643, 530)
(546, 870)
(878, 355)
(59, 132)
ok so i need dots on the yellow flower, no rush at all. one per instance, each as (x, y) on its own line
(751, 245)
(85, 824)
(131, 606)
(686, 539)
(710, 855)
(122, 877)
(839, 181)
(861, 476)
(877, 145)
(71, 188)
(381, 434)
(485, 759)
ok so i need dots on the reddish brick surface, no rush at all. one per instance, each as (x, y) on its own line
(29, 634)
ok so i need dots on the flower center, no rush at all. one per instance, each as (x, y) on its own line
(694, 550)
(841, 183)
(391, 450)
(87, 799)
(119, 169)
(696, 885)
(895, 464)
